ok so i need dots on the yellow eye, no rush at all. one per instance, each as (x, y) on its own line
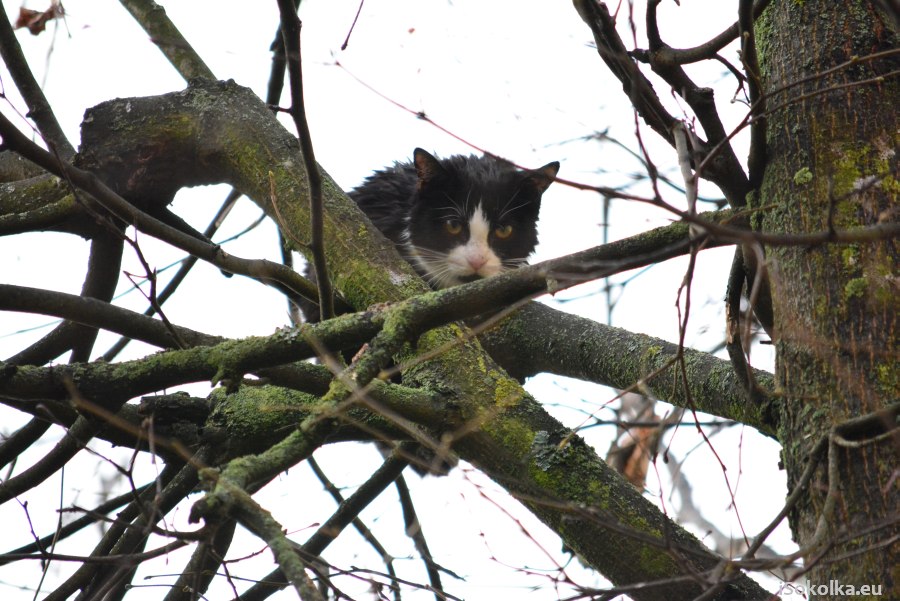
(503, 232)
(453, 227)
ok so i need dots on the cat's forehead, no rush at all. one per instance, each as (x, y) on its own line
(488, 181)
(483, 172)
(460, 184)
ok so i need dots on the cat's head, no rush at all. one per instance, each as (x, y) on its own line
(473, 217)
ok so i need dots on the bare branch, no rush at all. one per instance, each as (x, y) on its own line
(152, 17)
(347, 513)
(613, 52)
(756, 159)
(290, 28)
(725, 169)
(38, 107)
(707, 50)
(288, 280)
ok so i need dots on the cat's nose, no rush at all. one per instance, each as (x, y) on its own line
(477, 262)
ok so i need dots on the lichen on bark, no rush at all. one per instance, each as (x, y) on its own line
(835, 323)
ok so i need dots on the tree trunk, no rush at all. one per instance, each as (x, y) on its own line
(831, 162)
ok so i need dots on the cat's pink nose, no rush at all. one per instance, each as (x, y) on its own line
(477, 263)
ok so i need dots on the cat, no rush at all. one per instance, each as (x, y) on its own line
(455, 220)
(458, 219)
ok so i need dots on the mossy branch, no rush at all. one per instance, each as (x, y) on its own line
(219, 132)
(573, 346)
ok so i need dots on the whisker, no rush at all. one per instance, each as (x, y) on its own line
(455, 204)
(427, 253)
(504, 211)
(510, 210)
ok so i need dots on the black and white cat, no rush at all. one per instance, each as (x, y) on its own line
(457, 219)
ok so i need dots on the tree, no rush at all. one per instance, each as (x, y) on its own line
(812, 218)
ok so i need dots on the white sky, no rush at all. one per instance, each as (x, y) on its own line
(517, 78)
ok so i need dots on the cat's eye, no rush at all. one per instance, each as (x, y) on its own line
(453, 227)
(503, 232)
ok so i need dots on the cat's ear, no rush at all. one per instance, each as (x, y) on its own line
(543, 177)
(427, 167)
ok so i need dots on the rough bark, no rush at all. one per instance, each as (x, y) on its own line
(832, 162)
(581, 348)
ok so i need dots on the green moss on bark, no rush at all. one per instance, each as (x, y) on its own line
(834, 316)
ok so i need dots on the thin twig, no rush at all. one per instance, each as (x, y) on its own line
(414, 531)
(347, 507)
(290, 28)
(38, 108)
(186, 265)
(352, 25)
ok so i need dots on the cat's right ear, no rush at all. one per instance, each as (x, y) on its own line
(427, 167)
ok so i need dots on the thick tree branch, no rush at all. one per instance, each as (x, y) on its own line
(579, 344)
(41, 203)
(581, 348)
(98, 314)
(493, 423)
(115, 383)
(286, 279)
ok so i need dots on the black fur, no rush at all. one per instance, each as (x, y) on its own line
(412, 203)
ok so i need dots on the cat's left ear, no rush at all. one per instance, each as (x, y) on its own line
(543, 177)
